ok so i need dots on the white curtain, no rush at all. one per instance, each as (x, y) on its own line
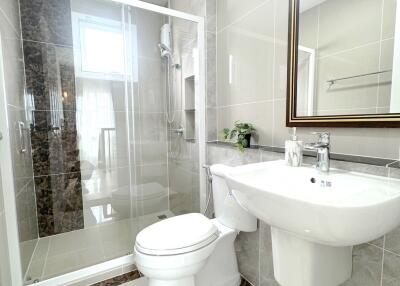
(95, 121)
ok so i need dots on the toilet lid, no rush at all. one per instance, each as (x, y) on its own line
(177, 235)
(140, 193)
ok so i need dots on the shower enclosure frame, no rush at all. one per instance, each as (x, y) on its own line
(8, 186)
(6, 163)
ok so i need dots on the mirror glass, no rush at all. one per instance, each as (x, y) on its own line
(346, 58)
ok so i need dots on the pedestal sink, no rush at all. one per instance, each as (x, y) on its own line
(316, 218)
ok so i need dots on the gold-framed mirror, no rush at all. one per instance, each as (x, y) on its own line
(343, 63)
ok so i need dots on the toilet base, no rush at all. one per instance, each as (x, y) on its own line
(299, 262)
(188, 281)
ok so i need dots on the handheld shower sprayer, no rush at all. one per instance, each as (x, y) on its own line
(167, 54)
(165, 41)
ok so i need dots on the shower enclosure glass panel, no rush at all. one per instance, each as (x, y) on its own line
(125, 118)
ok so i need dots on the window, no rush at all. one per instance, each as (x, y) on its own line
(99, 48)
(102, 50)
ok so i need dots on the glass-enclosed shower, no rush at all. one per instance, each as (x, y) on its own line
(111, 135)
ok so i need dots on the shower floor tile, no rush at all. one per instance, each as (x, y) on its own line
(63, 253)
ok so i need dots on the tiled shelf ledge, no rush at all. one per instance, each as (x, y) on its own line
(382, 162)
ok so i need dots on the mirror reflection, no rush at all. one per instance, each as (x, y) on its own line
(346, 59)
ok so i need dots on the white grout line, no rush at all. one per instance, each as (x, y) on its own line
(243, 16)
(380, 55)
(48, 43)
(353, 48)
(259, 242)
(246, 103)
(383, 259)
(24, 187)
(274, 65)
(216, 72)
(383, 247)
(16, 107)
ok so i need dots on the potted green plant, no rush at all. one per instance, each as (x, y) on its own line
(242, 132)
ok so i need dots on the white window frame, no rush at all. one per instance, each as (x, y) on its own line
(81, 21)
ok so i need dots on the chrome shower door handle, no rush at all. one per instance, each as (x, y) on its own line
(22, 142)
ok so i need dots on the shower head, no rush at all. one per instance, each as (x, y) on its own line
(165, 52)
(165, 41)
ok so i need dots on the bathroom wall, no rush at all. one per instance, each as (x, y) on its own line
(13, 64)
(183, 151)
(50, 85)
(254, 33)
(343, 50)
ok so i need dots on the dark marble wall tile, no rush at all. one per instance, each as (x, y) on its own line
(46, 21)
(57, 173)
(59, 203)
(50, 76)
(55, 151)
(50, 82)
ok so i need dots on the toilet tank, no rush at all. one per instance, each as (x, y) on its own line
(227, 211)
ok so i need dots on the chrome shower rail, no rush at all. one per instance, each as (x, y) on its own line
(333, 81)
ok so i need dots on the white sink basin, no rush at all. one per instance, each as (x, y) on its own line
(316, 218)
(357, 208)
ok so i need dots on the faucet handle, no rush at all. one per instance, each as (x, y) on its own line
(323, 137)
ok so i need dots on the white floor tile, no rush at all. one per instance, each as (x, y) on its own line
(63, 253)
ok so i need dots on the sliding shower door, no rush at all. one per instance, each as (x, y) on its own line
(117, 128)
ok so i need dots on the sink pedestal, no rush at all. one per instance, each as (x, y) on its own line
(299, 262)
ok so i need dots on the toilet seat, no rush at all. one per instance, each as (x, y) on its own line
(177, 235)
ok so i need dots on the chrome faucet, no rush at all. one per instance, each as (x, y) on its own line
(322, 147)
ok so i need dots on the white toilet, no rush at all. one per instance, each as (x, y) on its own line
(192, 250)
